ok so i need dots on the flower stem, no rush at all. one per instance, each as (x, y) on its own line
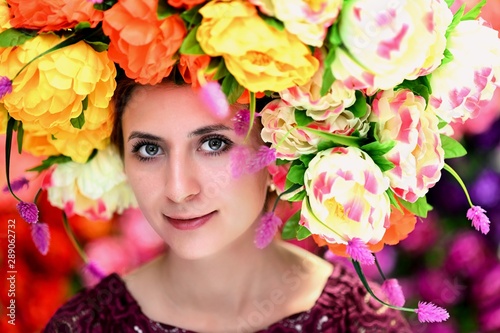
(252, 114)
(460, 181)
(72, 237)
(379, 268)
(8, 147)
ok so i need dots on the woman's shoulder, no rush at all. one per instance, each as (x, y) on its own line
(93, 309)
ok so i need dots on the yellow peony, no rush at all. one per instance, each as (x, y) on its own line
(259, 56)
(3, 119)
(4, 16)
(50, 92)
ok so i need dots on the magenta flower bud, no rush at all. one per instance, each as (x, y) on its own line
(241, 122)
(430, 313)
(479, 219)
(5, 86)
(263, 158)
(358, 250)
(41, 237)
(215, 100)
(28, 211)
(268, 226)
(393, 291)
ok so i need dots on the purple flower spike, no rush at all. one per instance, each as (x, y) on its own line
(41, 237)
(17, 184)
(394, 292)
(358, 250)
(212, 95)
(94, 270)
(241, 122)
(269, 224)
(479, 219)
(28, 211)
(430, 313)
(239, 156)
(263, 158)
(5, 86)
(95, 1)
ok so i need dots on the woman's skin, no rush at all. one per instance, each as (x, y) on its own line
(212, 278)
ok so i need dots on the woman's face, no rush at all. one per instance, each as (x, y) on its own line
(177, 159)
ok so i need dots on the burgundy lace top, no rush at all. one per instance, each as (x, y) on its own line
(343, 306)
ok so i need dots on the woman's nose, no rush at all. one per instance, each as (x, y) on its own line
(182, 182)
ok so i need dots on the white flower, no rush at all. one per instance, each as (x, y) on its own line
(95, 190)
(386, 41)
(461, 87)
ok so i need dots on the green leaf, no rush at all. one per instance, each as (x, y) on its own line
(303, 233)
(190, 44)
(393, 200)
(419, 207)
(280, 161)
(98, 46)
(306, 159)
(449, 2)
(20, 135)
(221, 70)
(82, 25)
(231, 88)
(442, 124)
(192, 16)
(475, 11)
(79, 121)
(377, 148)
(8, 147)
(359, 271)
(297, 196)
(296, 174)
(105, 5)
(273, 22)
(164, 10)
(359, 108)
(48, 162)
(456, 20)
(419, 86)
(336, 138)
(334, 35)
(15, 37)
(85, 103)
(291, 227)
(301, 118)
(383, 163)
(448, 56)
(328, 77)
(452, 148)
(324, 145)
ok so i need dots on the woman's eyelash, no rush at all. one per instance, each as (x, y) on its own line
(138, 145)
(227, 143)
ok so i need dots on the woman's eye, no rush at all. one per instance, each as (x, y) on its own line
(149, 150)
(214, 144)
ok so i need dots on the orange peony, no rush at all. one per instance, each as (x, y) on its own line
(184, 3)
(402, 224)
(189, 65)
(142, 45)
(50, 15)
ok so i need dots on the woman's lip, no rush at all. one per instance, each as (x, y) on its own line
(190, 224)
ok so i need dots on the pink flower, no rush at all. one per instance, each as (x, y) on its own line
(430, 313)
(5, 86)
(263, 158)
(393, 291)
(269, 224)
(215, 99)
(479, 219)
(239, 158)
(28, 211)
(241, 122)
(358, 250)
(41, 236)
(17, 184)
(95, 1)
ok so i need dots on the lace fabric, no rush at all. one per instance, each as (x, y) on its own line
(343, 306)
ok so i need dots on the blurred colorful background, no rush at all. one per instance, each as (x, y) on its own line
(444, 260)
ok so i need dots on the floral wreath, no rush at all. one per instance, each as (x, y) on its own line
(362, 91)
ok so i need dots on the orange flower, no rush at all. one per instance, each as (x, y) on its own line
(50, 15)
(402, 224)
(184, 3)
(189, 65)
(142, 45)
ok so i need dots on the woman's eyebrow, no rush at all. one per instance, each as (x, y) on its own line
(143, 135)
(209, 129)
